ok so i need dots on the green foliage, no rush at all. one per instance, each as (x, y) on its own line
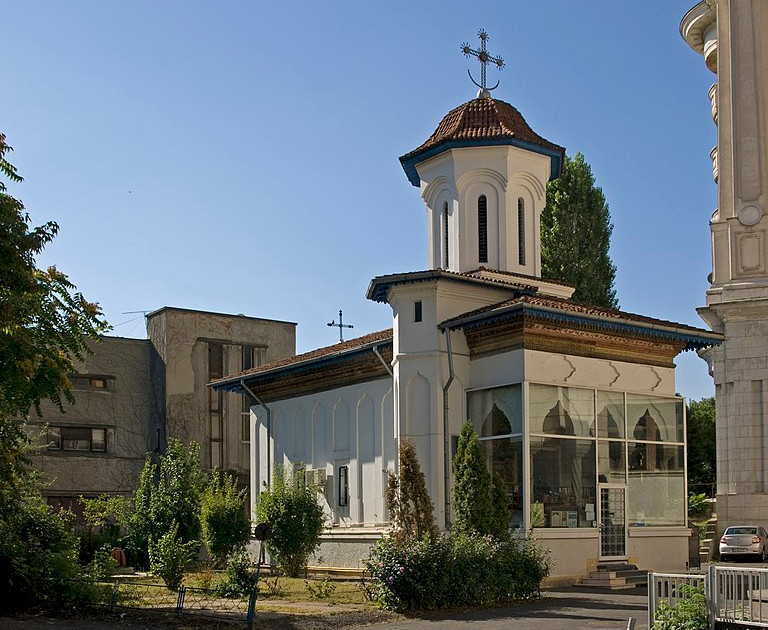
(690, 613)
(576, 233)
(479, 502)
(103, 565)
(169, 556)
(697, 504)
(104, 522)
(297, 521)
(455, 570)
(410, 508)
(322, 589)
(225, 527)
(702, 446)
(242, 576)
(167, 494)
(45, 325)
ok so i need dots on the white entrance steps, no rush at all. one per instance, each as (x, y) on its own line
(615, 576)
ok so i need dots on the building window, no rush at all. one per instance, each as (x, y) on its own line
(445, 235)
(252, 356)
(521, 231)
(90, 382)
(343, 486)
(215, 399)
(77, 439)
(482, 229)
(417, 311)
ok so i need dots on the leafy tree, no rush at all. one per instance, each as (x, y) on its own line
(702, 446)
(169, 556)
(575, 235)
(472, 500)
(410, 508)
(167, 494)
(479, 500)
(225, 527)
(296, 517)
(45, 325)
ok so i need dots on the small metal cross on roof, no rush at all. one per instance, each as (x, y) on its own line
(484, 58)
(341, 326)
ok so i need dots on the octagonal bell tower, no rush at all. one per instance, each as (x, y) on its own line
(483, 176)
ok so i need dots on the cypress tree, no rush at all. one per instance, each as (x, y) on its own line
(575, 235)
(472, 491)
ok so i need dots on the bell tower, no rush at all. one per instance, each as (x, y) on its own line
(483, 176)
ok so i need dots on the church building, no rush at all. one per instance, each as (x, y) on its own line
(575, 405)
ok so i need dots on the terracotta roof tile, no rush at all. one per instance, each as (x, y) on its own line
(483, 119)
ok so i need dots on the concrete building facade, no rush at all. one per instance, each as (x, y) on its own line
(132, 395)
(730, 34)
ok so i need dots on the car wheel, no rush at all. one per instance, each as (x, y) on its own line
(763, 556)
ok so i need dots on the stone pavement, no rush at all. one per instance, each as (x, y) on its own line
(559, 609)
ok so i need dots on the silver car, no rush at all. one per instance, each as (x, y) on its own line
(744, 540)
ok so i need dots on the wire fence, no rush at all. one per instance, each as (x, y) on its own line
(187, 600)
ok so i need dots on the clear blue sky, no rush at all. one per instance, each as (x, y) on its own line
(242, 156)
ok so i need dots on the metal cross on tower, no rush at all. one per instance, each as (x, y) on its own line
(341, 326)
(485, 58)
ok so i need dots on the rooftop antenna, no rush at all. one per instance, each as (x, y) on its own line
(484, 58)
(341, 326)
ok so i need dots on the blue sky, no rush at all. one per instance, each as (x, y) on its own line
(242, 156)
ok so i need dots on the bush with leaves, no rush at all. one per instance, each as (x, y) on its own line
(168, 493)
(411, 513)
(103, 566)
(296, 517)
(479, 500)
(225, 527)
(169, 556)
(242, 576)
(104, 521)
(455, 570)
(690, 612)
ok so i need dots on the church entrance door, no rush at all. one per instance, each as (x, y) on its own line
(613, 521)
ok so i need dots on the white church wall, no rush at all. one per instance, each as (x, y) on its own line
(350, 426)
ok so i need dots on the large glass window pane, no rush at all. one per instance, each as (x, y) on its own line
(99, 440)
(563, 482)
(505, 461)
(54, 438)
(561, 410)
(610, 414)
(496, 411)
(656, 484)
(654, 418)
(611, 459)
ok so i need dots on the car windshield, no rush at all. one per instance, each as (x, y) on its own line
(732, 531)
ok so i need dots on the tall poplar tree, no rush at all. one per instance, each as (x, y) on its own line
(575, 235)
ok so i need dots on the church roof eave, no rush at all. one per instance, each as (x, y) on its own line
(410, 160)
(612, 321)
(307, 362)
(379, 286)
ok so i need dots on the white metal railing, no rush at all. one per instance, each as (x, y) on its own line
(666, 587)
(734, 595)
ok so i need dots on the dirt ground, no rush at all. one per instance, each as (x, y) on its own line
(142, 620)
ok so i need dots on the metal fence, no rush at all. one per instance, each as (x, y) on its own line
(734, 595)
(187, 600)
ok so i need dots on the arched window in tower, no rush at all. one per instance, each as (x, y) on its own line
(521, 230)
(445, 235)
(482, 229)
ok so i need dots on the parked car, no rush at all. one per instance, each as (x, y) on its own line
(744, 540)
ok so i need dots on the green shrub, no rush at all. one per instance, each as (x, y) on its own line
(690, 613)
(169, 557)
(455, 570)
(242, 576)
(296, 518)
(320, 589)
(225, 527)
(103, 565)
(698, 505)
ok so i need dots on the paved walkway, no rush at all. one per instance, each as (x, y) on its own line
(559, 609)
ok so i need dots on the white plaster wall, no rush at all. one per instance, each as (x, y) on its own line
(350, 426)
